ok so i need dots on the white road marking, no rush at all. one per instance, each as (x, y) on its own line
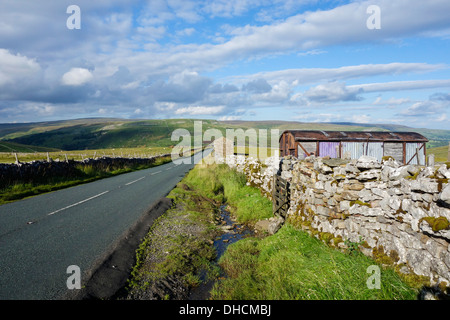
(80, 202)
(168, 168)
(152, 174)
(127, 184)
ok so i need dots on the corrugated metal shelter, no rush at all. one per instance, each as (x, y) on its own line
(405, 147)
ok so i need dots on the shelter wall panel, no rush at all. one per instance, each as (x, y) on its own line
(310, 147)
(330, 149)
(411, 149)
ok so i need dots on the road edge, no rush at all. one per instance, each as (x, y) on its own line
(109, 274)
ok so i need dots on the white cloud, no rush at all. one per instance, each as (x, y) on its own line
(391, 101)
(332, 92)
(312, 75)
(200, 110)
(14, 67)
(76, 77)
(401, 85)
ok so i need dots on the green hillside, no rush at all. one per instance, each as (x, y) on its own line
(82, 134)
(6, 146)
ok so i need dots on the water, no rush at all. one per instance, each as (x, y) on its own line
(232, 232)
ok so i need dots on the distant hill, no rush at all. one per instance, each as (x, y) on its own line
(101, 133)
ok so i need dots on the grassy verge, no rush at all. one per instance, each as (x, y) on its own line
(292, 265)
(84, 174)
(288, 265)
(179, 248)
(222, 184)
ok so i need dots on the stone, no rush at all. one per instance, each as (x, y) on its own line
(399, 173)
(445, 195)
(380, 193)
(424, 185)
(443, 172)
(322, 210)
(275, 224)
(344, 205)
(367, 162)
(354, 186)
(351, 168)
(369, 175)
(350, 195)
(271, 225)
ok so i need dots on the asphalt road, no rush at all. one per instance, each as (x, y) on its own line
(41, 237)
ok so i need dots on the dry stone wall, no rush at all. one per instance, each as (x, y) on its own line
(398, 214)
(41, 170)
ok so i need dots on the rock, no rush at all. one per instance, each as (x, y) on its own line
(399, 173)
(275, 224)
(354, 186)
(262, 225)
(366, 162)
(443, 172)
(350, 195)
(271, 225)
(424, 185)
(445, 195)
(369, 175)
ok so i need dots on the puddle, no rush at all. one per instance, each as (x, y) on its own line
(232, 232)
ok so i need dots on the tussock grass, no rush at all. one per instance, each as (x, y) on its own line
(220, 183)
(292, 265)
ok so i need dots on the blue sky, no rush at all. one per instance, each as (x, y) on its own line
(303, 60)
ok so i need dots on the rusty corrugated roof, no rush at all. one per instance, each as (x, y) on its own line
(319, 135)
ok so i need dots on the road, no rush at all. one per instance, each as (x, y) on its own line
(40, 237)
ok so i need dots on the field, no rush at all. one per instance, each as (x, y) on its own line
(440, 153)
(93, 134)
(143, 152)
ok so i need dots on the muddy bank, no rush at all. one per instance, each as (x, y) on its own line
(178, 259)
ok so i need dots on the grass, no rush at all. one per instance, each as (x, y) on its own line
(180, 242)
(222, 184)
(292, 265)
(440, 153)
(289, 265)
(78, 155)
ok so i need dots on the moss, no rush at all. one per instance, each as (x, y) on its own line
(436, 224)
(387, 158)
(394, 255)
(440, 183)
(381, 257)
(400, 210)
(335, 241)
(359, 202)
(412, 279)
(413, 177)
(448, 164)
(326, 237)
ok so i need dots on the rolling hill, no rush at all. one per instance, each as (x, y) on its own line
(101, 133)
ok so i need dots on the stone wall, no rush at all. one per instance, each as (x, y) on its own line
(42, 170)
(398, 214)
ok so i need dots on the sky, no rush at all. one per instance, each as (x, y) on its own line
(384, 61)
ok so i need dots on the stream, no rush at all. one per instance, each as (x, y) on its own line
(232, 232)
